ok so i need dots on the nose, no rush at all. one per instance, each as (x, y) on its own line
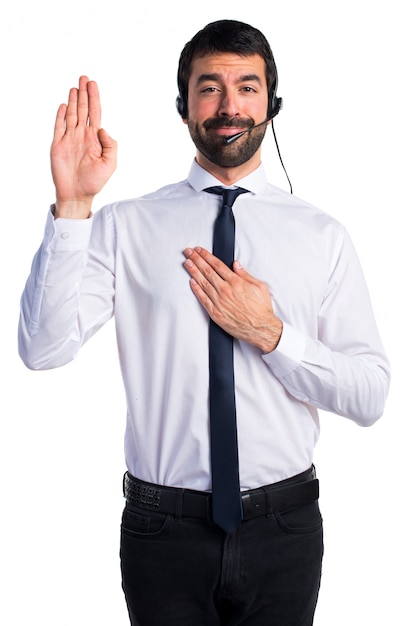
(228, 106)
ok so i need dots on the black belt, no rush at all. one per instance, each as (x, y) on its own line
(287, 494)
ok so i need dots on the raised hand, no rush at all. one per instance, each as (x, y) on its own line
(83, 155)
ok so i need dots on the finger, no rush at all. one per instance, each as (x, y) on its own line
(216, 311)
(202, 272)
(71, 116)
(59, 127)
(82, 101)
(199, 273)
(209, 263)
(211, 307)
(204, 278)
(202, 297)
(94, 107)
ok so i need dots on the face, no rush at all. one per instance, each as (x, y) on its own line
(227, 94)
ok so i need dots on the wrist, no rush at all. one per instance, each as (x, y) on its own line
(73, 209)
(272, 336)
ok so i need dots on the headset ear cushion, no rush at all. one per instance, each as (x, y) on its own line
(276, 105)
(180, 107)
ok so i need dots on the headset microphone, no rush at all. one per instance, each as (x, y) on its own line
(233, 138)
(276, 105)
(274, 108)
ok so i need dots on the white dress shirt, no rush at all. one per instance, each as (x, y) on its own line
(127, 261)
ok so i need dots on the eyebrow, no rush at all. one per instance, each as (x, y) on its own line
(217, 77)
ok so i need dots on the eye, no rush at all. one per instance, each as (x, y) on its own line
(210, 89)
(249, 89)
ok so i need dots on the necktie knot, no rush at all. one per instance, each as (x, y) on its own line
(229, 195)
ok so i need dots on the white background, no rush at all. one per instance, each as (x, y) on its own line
(348, 136)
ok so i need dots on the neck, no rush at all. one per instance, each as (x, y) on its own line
(229, 175)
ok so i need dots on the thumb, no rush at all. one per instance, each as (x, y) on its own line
(238, 269)
(106, 140)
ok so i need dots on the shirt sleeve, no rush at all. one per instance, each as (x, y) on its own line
(69, 293)
(344, 368)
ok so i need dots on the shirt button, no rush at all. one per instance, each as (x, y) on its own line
(65, 235)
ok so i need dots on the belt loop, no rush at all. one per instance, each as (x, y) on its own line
(179, 504)
(269, 503)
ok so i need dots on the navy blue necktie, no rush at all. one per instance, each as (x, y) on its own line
(226, 498)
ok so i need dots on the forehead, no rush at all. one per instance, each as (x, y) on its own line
(228, 65)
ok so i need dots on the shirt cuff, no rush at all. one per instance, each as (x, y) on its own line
(289, 352)
(67, 234)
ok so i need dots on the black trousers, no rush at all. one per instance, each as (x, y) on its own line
(183, 571)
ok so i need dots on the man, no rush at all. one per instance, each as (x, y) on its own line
(304, 338)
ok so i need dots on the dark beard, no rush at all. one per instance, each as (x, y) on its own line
(217, 151)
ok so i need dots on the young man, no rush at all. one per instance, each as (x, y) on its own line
(294, 301)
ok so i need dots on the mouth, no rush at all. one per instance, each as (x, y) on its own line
(225, 131)
(225, 127)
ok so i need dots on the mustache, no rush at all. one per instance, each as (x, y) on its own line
(232, 122)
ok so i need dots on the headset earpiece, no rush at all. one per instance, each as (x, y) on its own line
(276, 105)
(180, 107)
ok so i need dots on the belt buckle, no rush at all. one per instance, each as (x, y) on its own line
(252, 504)
(246, 504)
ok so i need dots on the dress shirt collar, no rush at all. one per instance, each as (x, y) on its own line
(199, 179)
